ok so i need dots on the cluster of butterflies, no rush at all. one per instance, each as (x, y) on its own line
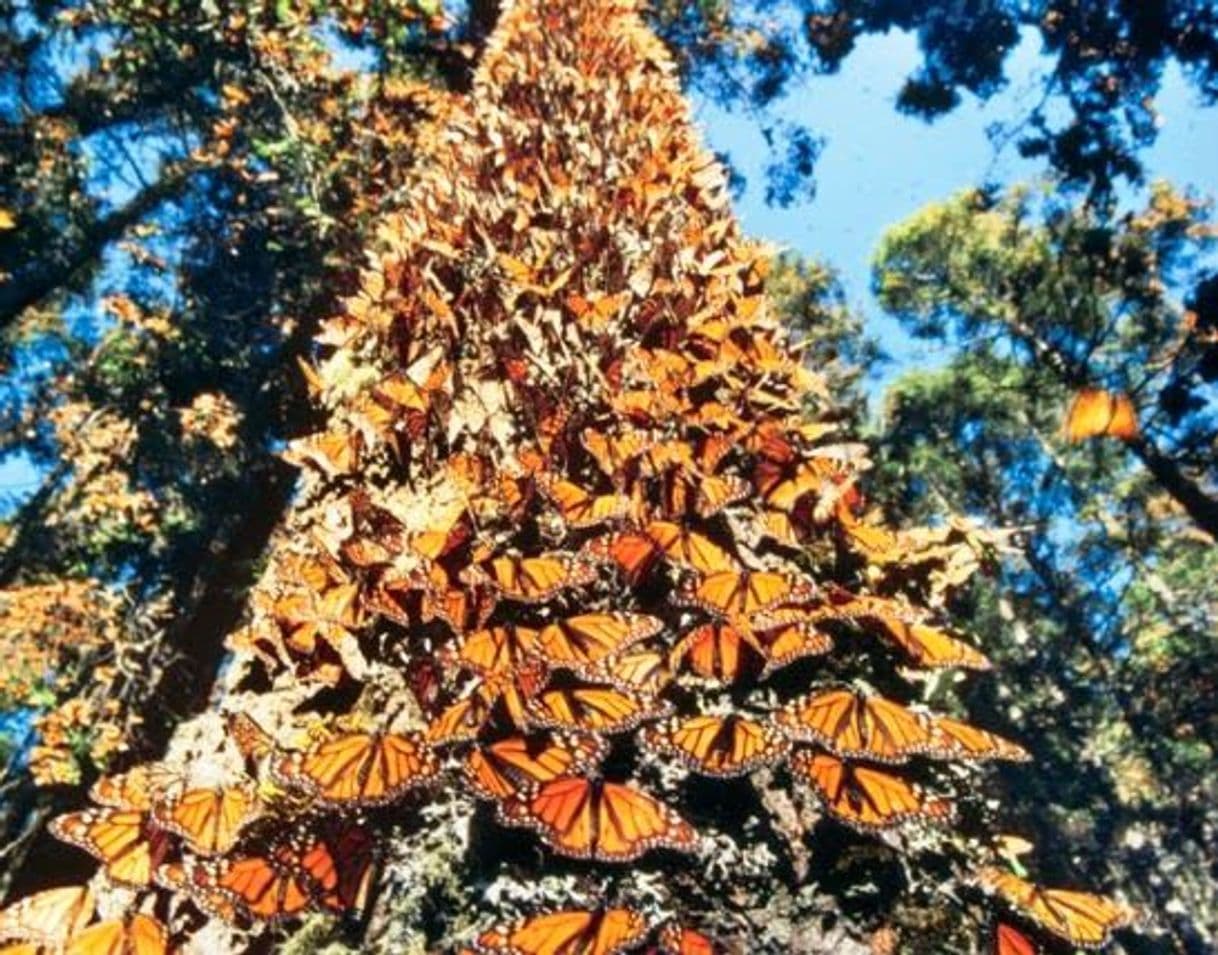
(570, 489)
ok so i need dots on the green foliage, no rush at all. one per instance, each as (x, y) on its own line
(1105, 619)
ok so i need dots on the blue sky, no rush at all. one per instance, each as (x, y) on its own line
(878, 166)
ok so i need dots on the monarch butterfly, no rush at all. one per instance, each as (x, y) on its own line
(858, 725)
(741, 594)
(786, 644)
(136, 935)
(719, 745)
(863, 798)
(334, 454)
(613, 453)
(600, 932)
(1078, 917)
(497, 649)
(643, 670)
(1008, 940)
(635, 553)
(462, 609)
(134, 789)
(589, 638)
(252, 741)
(498, 770)
(684, 492)
(49, 917)
(342, 865)
(192, 879)
(209, 819)
(362, 769)
(782, 486)
(662, 456)
(532, 579)
(441, 541)
(461, 721)
(270, 885)
(689, 548)
(676, 940)
(721, 652)
(580, 508)
(933, 648)
(957, 739)
(594, 819)
(593, 709)
(779, 527)
(599, 309)
(127, 842)
(1096, 413)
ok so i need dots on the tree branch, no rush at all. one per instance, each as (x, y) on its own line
(30, 285)
(1202, 508)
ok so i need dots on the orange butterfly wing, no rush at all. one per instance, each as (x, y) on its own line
(676, 940)
(266, 887)
(719, 745)
(535, 579)
(855, 725)
(603, 932)
(125, 840)
(1095, 412)
(363, 769)
(643, 670)
(581, 509)
(741, 594)
(721, 652)
(499, 770)
(461, 721)
(633, 552)
(1008, 940)
(252, 741)
(134, 789)
(590, 819)
(1080, 918)
(49, 917)
(864, 798)
(784, 645)
(933, 648)
(210, 820)
(690, 549)
(497, 649)
(138, 935)
(960, 740)
(341, 865)
(593, 709)
(588, 638)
